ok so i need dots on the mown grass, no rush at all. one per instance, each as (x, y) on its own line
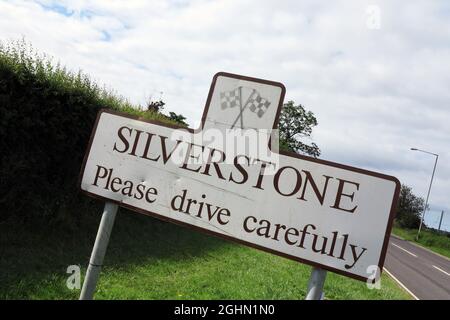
(150, 259)
(432, 240)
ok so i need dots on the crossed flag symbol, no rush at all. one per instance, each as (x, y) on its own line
(233, 98)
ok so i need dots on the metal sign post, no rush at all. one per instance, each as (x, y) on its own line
(99, 250)
(315, 284)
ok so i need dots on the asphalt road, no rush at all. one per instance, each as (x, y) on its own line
(424, 274)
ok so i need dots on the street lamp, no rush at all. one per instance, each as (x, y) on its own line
(429, 188)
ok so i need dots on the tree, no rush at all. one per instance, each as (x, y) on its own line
(296, 123)
(409, 208)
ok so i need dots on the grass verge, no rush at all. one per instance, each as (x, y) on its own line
(434, 241)
(150, 259)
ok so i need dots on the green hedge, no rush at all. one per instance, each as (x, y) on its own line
(46, 117)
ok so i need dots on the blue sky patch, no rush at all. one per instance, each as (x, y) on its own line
(106, 36)
(60, 9)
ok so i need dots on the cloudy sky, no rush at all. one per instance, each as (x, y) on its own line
(375, 73)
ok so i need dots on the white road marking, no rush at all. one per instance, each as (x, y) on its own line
(404, 250)
(401, 284)
(441, 270)
(418, 245)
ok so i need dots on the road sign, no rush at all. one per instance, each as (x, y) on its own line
(218, 179)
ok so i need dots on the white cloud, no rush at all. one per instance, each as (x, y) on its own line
(376, 92)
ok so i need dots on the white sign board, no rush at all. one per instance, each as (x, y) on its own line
(321, 213)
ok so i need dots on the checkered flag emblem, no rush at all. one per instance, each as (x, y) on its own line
(230, 99)
(258, 104)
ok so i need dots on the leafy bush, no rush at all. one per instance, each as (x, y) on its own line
(46, 117)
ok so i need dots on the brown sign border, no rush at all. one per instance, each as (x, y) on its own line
(289, 154)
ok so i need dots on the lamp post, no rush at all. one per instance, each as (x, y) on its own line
(429, 188)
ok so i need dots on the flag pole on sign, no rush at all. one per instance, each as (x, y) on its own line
(233, 98)
(240, 107)
(256, 104)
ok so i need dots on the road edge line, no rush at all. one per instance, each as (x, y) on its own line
(401, 284)
(398, 237)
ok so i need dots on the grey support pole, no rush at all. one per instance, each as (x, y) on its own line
(315, 285)
(99, 250)
(440, 221)
(428, 195)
